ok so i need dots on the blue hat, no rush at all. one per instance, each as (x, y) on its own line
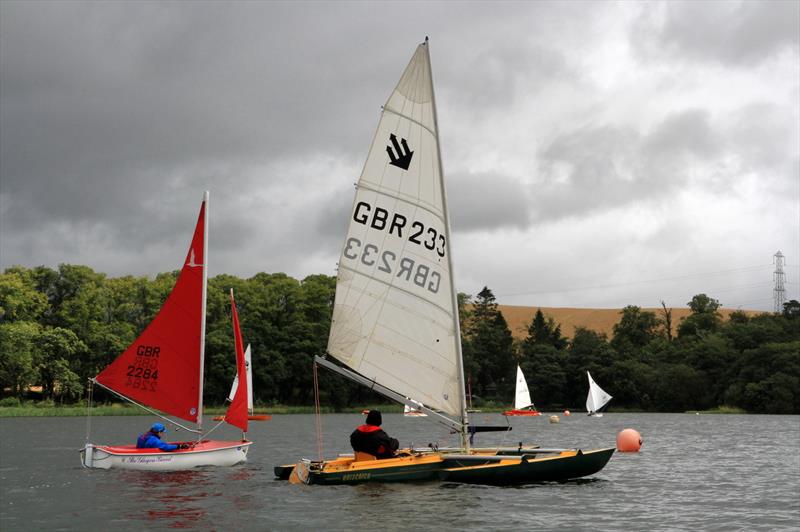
(158, 427)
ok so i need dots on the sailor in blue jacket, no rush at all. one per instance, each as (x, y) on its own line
(152, 439)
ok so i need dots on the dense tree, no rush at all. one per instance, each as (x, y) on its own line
(704, 318)
(543, 360)
(18, 341)
(61, 327)
(635, 329)
(19, 298)
(489, 354)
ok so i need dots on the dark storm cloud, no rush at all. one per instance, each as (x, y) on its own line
(115, 116)
(736, 33)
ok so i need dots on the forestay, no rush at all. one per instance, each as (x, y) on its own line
(394, 318)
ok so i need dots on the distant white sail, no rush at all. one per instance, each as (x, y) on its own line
(598, 399)
(394, 317)
(522, 399)
(235, 385)
(413, 412)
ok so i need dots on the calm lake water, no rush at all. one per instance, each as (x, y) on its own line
(706, 472)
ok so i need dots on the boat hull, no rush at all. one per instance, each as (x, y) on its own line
(522, 413)
(250, 417)
(521, 466)
(205, 453)
(525, 470)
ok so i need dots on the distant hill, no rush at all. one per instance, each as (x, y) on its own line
(597, 319)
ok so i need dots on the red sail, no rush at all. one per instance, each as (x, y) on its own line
(161, 369)
(237, 411)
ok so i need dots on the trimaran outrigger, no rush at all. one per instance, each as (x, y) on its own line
(395, 322)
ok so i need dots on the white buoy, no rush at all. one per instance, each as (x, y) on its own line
(554, 419)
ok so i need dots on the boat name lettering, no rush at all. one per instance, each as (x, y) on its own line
(356, 476)
(420, 274)
(148, 350)
(147, 459)
(379, 218)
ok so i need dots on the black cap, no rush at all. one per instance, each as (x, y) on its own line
(374, 418)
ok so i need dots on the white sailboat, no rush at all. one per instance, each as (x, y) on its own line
(597, 400)
(395, 321)
(409, 411)
(523, 405)
(251, 415)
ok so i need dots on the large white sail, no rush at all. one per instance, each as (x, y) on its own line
(597, 398)
(394, 317)
(522, 399)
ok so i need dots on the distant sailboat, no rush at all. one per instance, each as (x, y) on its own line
(249, 370)
(597, 400)
(413, 412)
(523, 405)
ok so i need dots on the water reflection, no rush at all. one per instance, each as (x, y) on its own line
(170, 499)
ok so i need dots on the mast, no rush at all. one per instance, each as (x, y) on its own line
(449, 254)
(203, 315)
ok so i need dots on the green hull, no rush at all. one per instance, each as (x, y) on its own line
(530, 470)
(508, 469)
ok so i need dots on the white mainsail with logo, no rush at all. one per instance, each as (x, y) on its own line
(395, 317)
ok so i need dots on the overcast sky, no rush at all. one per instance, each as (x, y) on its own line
(596, 154)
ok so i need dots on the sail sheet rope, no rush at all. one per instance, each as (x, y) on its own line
(318, 414)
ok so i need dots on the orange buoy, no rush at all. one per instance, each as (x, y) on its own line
(629, 441)
(566, 412)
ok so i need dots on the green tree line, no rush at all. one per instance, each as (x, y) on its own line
(60, 327)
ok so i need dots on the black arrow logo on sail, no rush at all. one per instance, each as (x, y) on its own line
(401, 158)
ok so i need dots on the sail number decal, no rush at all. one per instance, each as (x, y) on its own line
(387, 260)
(143, 373)
(378, 218)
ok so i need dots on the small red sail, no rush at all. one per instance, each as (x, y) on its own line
(161, 369)
(237, 411)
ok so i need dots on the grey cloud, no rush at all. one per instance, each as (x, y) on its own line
(735, 33)
(486, 202)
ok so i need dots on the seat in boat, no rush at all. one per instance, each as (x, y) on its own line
(363, 457)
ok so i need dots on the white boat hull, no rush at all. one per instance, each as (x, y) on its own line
(207, 453)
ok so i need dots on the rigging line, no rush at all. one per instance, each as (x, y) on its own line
(165, 418)
(89, 397)
(613, 285)
(215, 427)
(318, 414)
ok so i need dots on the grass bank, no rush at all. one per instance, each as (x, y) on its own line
(47, 409)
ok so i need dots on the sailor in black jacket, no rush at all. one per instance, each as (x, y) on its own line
(370, 438)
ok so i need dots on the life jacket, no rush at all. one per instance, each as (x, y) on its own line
(368, 428)
(141, 441)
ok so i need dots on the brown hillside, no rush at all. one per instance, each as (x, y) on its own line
(600, 320)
